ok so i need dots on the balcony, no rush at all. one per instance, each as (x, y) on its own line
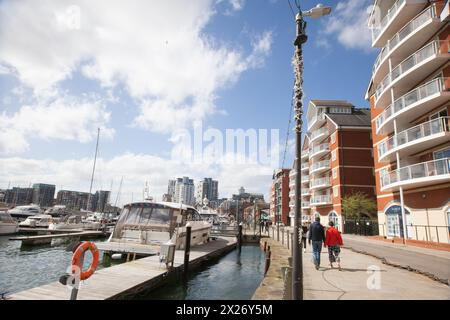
(316, 122)
(305, 167)
(319, 135)
(418, 175)
(397, 16)
(321, 183)
(409, 39)
(414, 104)
(305, 154)
(306, 205)
(320, 150)
(424, 136)
(320, 167)
(305, 193)
(305, 179)
(411, 70)
(321, 200)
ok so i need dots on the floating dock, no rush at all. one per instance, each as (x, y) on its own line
(46, 239)
(128, 279)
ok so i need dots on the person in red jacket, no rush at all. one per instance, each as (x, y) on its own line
(333, 241)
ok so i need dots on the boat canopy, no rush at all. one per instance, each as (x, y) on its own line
(5, 217)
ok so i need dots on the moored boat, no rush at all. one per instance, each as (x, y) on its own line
(7, 224)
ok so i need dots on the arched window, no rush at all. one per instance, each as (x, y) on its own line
(334, 217)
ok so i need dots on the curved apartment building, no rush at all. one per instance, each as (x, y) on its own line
(410, 108)
(337, 160)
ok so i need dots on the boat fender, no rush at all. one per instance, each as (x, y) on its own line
(77, 259)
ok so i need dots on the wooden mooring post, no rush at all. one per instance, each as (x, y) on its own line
(187, 251)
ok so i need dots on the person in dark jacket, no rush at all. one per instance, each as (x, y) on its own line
(317, 237)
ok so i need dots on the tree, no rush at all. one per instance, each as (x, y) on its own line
(358, 205)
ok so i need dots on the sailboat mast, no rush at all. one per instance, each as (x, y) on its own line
(118, 192)
(93, 170)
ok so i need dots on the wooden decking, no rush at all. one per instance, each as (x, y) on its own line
(123, 279)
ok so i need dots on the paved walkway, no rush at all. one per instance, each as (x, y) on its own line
(356, 281)
(433, 263)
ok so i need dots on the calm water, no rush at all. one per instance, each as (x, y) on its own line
(233, 277)
(22, 269)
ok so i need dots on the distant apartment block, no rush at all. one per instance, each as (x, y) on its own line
(279, 197)
(184, 191)
(207, 189)
(19, 196)
(72, 199)
(100, 200)
(43, 194)
(410, 105)
(336, 160)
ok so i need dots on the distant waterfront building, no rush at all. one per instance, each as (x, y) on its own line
(207, 189)
(19, 196)
(166, 198)
(43, 194)
(72, 199)
(100, 200)
(279, 199)
(409, 95)
(184, 191)
(249, 197)
(171, 190)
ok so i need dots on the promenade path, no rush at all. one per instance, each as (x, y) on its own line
(363, 277)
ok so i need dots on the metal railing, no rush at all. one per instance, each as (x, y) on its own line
(317, 133)
(427, 233)
(419, 56)
(320, 182)
(433, 168)
(428, 89)
(376, 31)
(415, 133)
(320, 199)
(412, 26)
(319, 148)
(321, 165)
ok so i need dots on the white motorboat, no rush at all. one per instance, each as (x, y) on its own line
(22, 212)
(56, 211)
(39, 221)
(145, 225)
(74, 222)
(7, 224)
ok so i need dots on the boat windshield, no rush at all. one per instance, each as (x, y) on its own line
(4, 217)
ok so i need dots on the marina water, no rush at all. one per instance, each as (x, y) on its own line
(233, 276)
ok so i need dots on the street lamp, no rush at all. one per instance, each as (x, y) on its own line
(302, 38)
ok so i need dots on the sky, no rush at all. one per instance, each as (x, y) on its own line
(150, 74)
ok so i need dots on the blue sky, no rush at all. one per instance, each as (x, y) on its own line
(144, 71)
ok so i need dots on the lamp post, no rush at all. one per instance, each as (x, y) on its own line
(297, 263)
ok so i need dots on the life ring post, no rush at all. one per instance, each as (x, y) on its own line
(78, 261)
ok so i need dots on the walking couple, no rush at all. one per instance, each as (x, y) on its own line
(331, 239)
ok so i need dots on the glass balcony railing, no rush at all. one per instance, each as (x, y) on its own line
(428, 89)
(305, 166)
(320, 199)
(317, 133)
(320, 148)
(320, 182)
(321, 165)
(416, 58)
(418, 132)
(305, 204)
(305, 178)
(429, 169)
(376, 30)
(411, 27)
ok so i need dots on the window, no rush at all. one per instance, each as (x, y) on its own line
(334, 218)
(340, 110)
(333, 138)
(335, 173)
(442, 113)
(442, 154)
(334, 155)
(336, 191)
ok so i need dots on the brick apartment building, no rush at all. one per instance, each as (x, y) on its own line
(279, 198)
(409, 97)
(337, 160)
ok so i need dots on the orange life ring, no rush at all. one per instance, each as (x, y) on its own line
(78, 257)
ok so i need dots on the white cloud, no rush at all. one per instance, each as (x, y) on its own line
(63, 118)
(136, 169)
(348, 23)
(157, 50)
(237, 4)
